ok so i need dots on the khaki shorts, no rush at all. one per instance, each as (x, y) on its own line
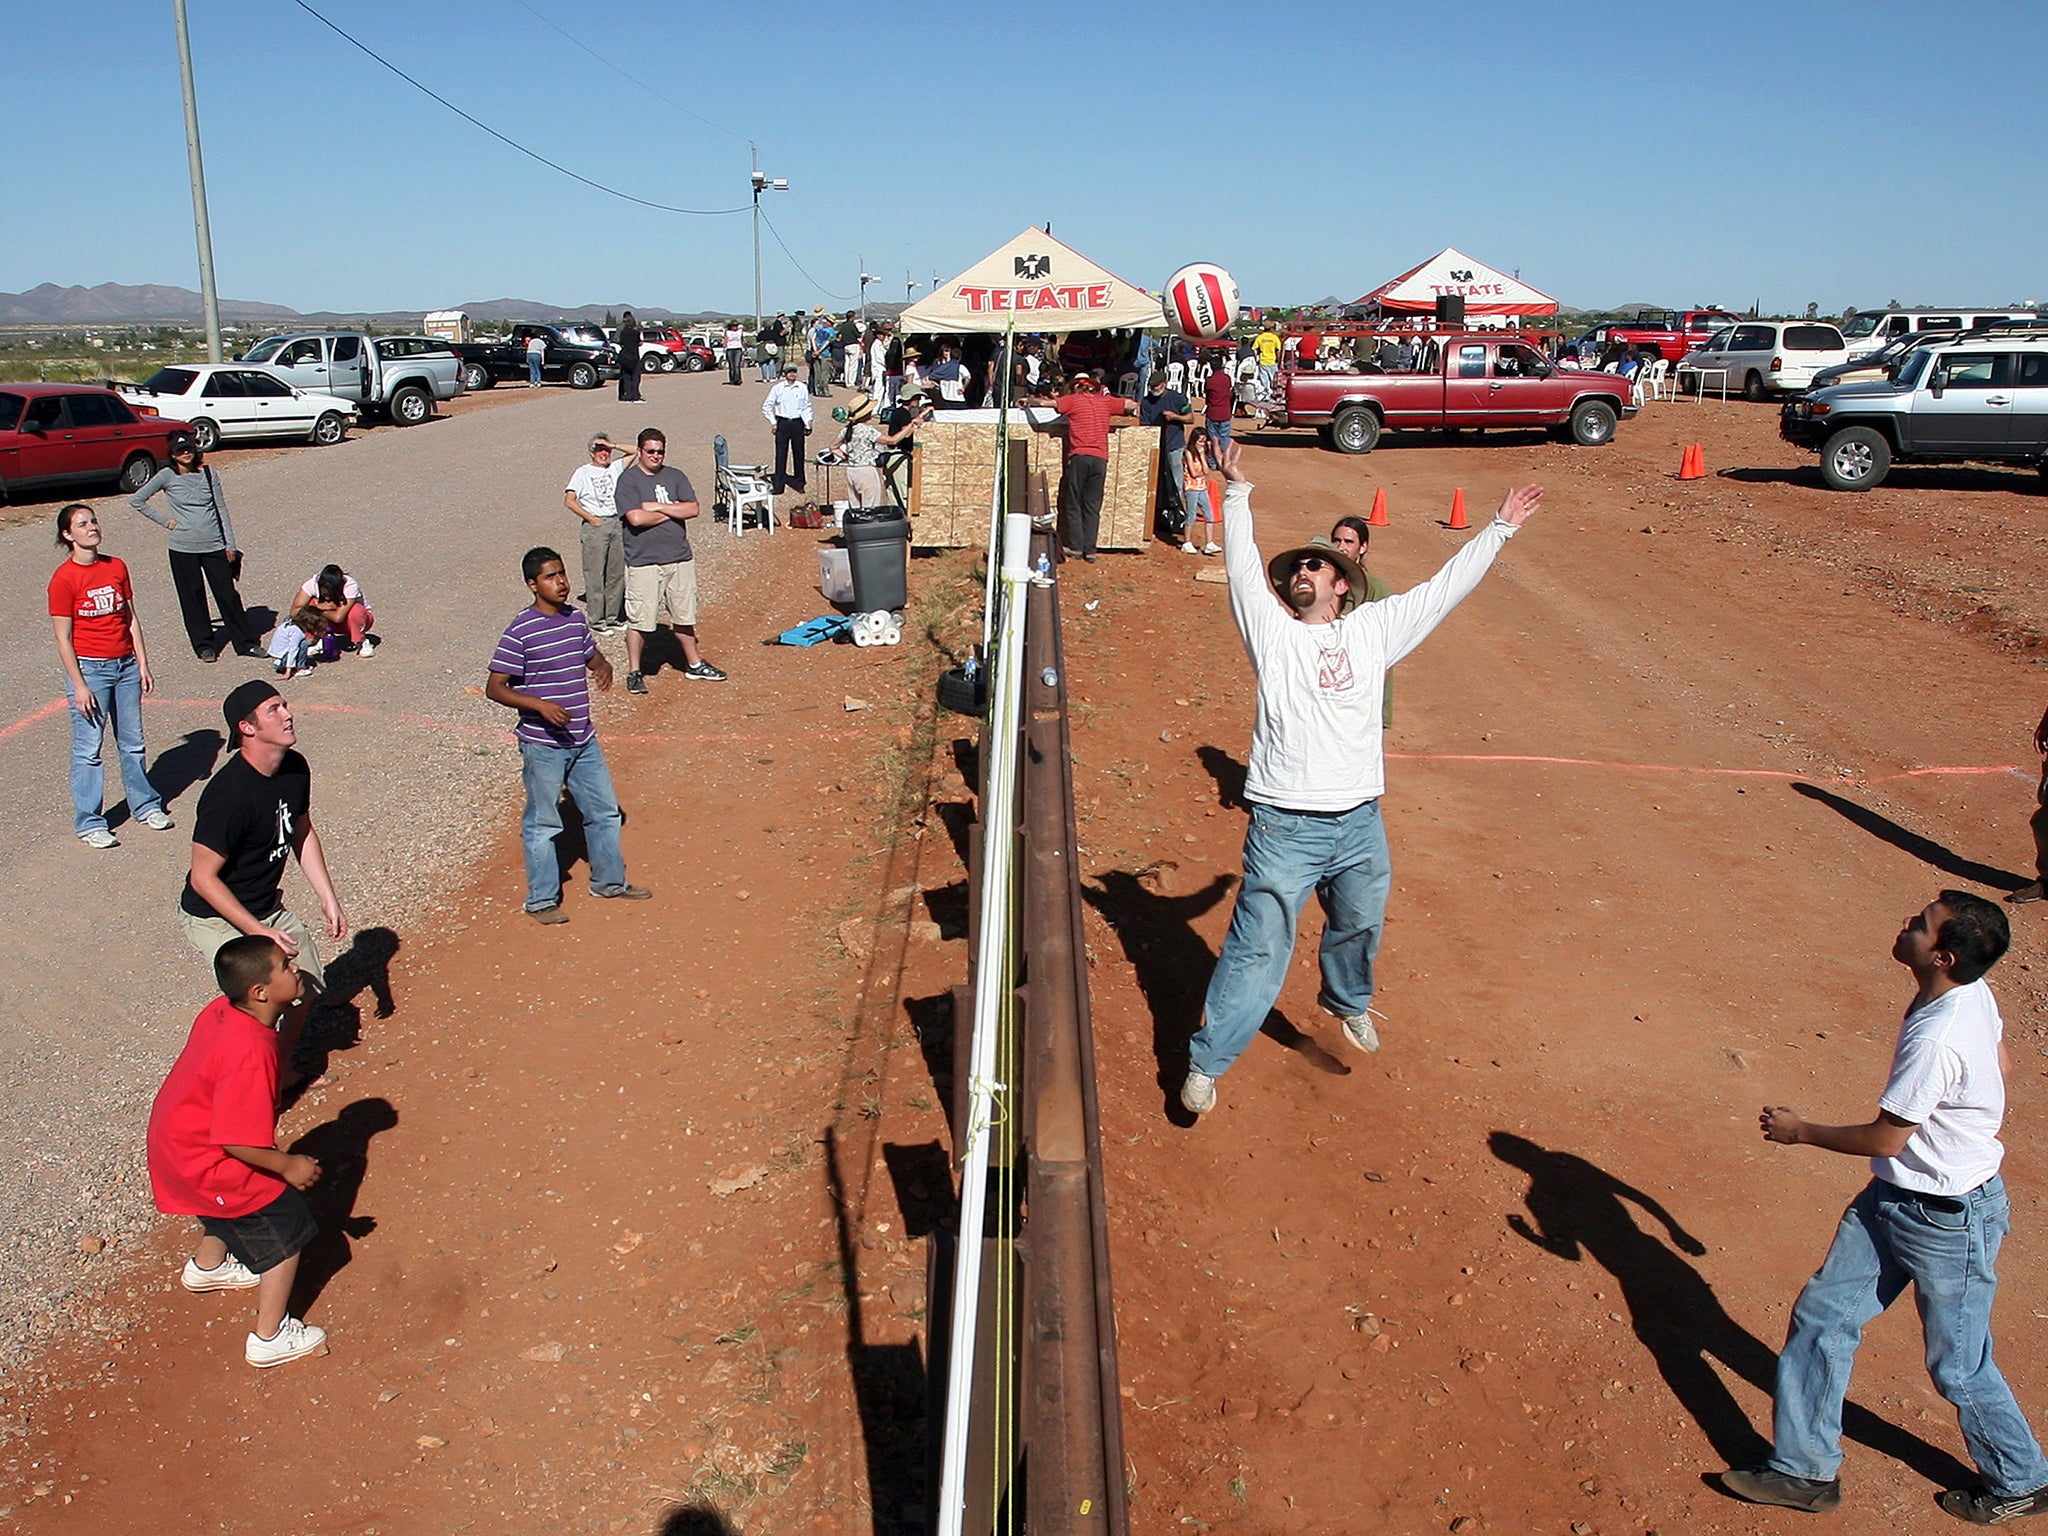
(652, 590)
(207, 934)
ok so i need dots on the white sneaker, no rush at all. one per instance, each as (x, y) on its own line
(1360, 1030)
(1198, 1093)
(294, 1340)
(157, 820)
(1189, 549)
(232, 1275)
(99, 837)
(1212, 549)
(368, 648)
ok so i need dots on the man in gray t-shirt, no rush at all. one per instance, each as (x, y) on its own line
(656, 503)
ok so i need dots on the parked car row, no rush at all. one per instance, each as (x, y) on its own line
(234, 402)
(576, 355)
(54, 436)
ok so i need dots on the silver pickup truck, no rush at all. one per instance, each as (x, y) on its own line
(398, 376)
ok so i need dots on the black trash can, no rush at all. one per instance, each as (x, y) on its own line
(879, 553)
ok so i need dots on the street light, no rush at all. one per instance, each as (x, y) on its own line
(864, 281)
(761, 184)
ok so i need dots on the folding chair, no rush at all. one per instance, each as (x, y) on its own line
(739, 487)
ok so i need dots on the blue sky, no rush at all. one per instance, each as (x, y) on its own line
(1674, 154)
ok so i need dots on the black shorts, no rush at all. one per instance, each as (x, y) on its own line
(264, 1239)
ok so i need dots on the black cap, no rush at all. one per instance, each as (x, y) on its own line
(244, 701)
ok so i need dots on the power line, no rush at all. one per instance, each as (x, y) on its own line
(799, 265)
(501, 138)
(627, 75)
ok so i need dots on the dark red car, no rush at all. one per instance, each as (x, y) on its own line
(53, 436)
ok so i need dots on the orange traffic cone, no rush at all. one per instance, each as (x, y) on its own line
(1690, 465)
(1458, 510)
(1379, 509)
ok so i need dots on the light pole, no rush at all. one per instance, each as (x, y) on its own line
(864, 281)
(761, 184)
(209, 298)
(909, 287)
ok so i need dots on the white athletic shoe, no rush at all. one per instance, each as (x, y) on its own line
(231, 1275)
(294, 1340)
(1189, 549)
(157, 820)
(1212, 549)
(1198, 1093)
(368, 648)
(1360, 1030)
(99, 837)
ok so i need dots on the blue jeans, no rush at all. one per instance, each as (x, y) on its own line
(533, 361)
(1887, 1239)
(1219, 434)
(582, 769)
(117, 685)
(1342, 857)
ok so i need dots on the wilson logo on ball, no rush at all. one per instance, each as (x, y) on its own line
(1200, 301)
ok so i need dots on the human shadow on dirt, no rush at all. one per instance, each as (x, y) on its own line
(889, 1384)
(695, 1520)
(1577, 1208)
(1228, 773)
(1924, 849)
(335, 1021)
(1171, 961)
(342, 1148)
(178, 768)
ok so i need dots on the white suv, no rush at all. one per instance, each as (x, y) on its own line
(1766, 357)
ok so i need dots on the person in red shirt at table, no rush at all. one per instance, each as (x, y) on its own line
(1308, 350)
(1089, 410)
(106, 667)
(213, 1150)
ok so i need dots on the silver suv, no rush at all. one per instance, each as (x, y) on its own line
(1981, 397)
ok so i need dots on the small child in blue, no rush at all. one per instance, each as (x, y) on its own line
(292, 642)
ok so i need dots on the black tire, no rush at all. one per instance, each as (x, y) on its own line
(699, 362)
(135, 473)
(1687, 383)
(1592, 423)
(1355, 429)
(963, 695)
(1855, 459)
(584, 376)
(330, 429)
(477, 376)
(665, 363)
(1753, 387)
(411, 405)
(205, 434)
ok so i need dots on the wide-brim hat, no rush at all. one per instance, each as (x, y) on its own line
(913, 389)
(1280, 569)
(859, 408)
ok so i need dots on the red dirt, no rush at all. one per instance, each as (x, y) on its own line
(645, 1228)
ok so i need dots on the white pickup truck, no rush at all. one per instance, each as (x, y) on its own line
(397, 376)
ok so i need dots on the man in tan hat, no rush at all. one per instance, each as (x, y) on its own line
(1320, 655)
(592, 495)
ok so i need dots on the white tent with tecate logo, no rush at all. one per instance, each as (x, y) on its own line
(1039, 283)
(1452, 272)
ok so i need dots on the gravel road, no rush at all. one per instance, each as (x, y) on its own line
(414, 774)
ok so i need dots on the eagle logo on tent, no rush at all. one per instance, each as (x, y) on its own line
(1461, 277)
(1032, 268)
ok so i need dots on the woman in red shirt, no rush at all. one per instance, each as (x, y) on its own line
(106, 670)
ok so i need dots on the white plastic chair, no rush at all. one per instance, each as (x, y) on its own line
(1655, 380)
(741, 486)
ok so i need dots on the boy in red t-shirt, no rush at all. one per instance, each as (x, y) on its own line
(213, 1149)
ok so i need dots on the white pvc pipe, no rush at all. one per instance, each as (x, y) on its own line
(992, 986)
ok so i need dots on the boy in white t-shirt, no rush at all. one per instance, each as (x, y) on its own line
(592, 494)
(1933, 1216)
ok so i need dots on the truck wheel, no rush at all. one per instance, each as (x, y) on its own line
(1855, 459)
(134, 474)
(1592, 423)
(1753, 386)
(476, 376)
(205, 435)
(699, 362)
(1355, 429)
(583, 376)
(330, 429)
(411, 405)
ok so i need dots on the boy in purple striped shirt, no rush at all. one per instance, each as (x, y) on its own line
(540, 670)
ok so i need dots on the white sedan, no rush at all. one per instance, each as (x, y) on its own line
(230, 402)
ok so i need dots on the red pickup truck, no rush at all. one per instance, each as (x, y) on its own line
(1463, 380)
(1670, 336)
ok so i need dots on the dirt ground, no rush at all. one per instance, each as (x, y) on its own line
(627, 1216)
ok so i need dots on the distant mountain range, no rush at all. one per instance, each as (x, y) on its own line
(120, 304)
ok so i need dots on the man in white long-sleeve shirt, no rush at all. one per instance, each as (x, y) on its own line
(788, 409)
(1320, 655)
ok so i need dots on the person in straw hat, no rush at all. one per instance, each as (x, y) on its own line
(1320, 654)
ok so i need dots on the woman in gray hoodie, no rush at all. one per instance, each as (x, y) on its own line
(203, 549)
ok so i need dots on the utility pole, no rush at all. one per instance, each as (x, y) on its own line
(864, 281)
(209, 297)
(761, 184)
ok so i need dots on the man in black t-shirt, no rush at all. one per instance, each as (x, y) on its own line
(1167, 409)
(254, 816)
